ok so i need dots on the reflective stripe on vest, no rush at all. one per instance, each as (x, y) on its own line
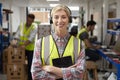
(24, 33)
(50, 51)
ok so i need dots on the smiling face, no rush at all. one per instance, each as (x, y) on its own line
(60, 21)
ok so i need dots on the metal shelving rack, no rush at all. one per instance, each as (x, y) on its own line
(0, 37)
(116, 64)
(116, 33)
(4, 33)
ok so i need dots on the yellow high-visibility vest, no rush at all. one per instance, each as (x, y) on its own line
(50, 51)
(24, 34)
(81, 31)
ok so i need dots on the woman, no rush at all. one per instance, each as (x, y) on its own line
(58, 55)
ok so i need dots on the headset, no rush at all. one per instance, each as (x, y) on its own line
(70, 17)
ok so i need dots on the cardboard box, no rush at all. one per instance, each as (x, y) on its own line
(4, 68)
(13, 55)
(44, 30)
(4, 56)
(16, 72)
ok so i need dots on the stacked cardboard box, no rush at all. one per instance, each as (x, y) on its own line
(14, 63)
(44, 30)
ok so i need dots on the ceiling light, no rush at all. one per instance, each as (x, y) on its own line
(74, 8)
(53, 5)
(52, 0)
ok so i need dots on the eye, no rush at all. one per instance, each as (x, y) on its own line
(64, 17)
(56, 17)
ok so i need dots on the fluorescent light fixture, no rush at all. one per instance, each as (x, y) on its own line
(53, 5)
(52, 0)
(74, 8)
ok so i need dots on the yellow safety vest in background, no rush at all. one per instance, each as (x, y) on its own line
(53, 51)
(24, 34)
(81, 31)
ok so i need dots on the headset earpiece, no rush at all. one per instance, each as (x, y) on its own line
(51, 20)
(70, 19)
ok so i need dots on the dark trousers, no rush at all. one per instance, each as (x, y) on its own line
(92, 54)
(29, 55)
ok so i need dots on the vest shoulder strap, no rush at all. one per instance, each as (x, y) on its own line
(76, 43)
(46, 49)
(41, 49)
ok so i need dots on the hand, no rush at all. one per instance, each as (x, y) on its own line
(13, 42)
(22, 46)
(47, 68)
(53, 71)
(98, 47)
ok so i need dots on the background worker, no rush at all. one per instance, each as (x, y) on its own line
(25, 37)
(83, 35)
(58, 55)
(90, 50)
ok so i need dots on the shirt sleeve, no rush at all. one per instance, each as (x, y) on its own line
(76, 71)
(36, 69)
(17, 34)
(84, 35)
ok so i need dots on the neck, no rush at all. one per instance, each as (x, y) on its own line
(61, 33)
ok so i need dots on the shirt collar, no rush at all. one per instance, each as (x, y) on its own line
(56, 37)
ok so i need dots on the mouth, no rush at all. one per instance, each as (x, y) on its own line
(60, 25)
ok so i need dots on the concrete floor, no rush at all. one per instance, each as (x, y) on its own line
(3, 77)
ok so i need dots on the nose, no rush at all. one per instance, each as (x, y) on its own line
(60, 20)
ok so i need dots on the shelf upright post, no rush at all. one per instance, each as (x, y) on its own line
(1, 49)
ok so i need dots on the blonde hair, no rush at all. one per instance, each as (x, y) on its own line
(61, 7)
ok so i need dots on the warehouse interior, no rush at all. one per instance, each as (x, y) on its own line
(106, 13)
